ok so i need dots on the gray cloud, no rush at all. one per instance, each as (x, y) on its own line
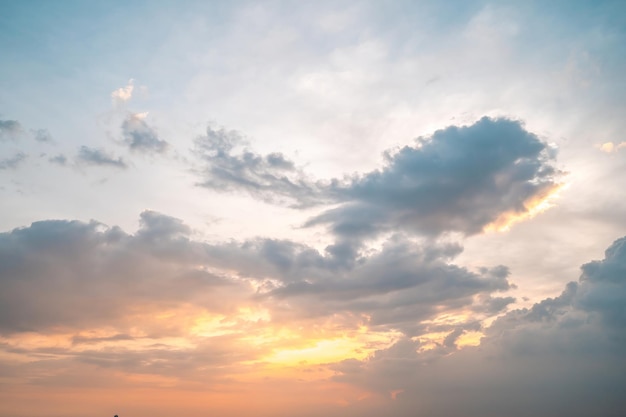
(99, 157)
(395, 288)
(75, 264)
(12, 162)
(9, 129)
(563, 356)
(52, 270)
(460, 179)
(559, 356)
(140, 137)
(271, 177)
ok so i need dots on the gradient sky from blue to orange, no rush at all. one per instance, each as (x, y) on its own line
(306, 208)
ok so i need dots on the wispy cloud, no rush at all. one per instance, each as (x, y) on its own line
(99, 157)
(228, 165)
(12, 162)
(42, 136)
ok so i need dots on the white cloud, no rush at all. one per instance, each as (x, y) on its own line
(123, 94)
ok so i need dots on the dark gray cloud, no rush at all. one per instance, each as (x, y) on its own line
(459, 179)
(12, 162)
(141, 137)
(10, 129)
(229, 166)
(394, 288)
(99, 157)
(563, 356)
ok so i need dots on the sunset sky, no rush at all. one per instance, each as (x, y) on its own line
(312, 208)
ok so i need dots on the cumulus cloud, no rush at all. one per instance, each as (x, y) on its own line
(74, 274)
(229, 165)
(563, 356)
(123, 94)
(9, 129)
(460, 179)
(141, 137)
(12, 162)
(399, 287)
(99, 157)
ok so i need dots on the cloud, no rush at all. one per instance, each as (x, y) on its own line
(123, 94)
(59, 159)
(139, 136)
(12, 162)
(42, 136)
(229, 166)
(460, 179)
(159, 303)
(393, 289)
(610, 147)
(563, 356)
(99, 157)
(79, 275)
(9, 129)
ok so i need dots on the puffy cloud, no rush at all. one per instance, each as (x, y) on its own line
(141, 137)
(461, 179)
(123, 94)
(12, 162)
(563, 356)
(99, 157)
(399, 287)
(52, 269)
(74, 274)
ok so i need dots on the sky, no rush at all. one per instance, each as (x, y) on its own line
(297, 208)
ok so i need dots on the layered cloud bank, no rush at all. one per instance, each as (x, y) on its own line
(381, 320)
(159, 309)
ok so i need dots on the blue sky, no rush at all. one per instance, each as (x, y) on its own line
(324, 190)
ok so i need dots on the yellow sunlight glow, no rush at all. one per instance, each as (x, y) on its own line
(533, 206)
